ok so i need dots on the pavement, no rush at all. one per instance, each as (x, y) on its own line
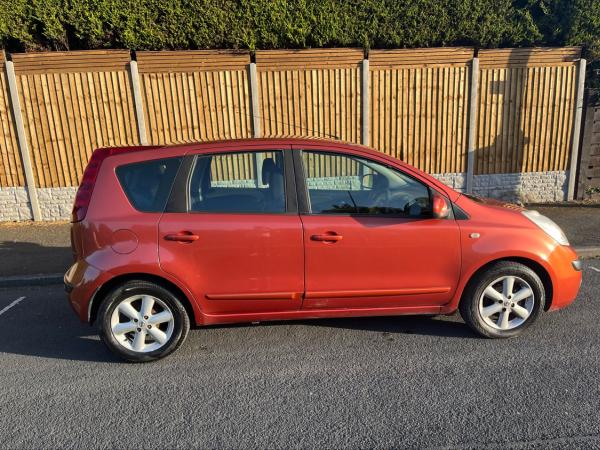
(580, 223)
(30, 248)
(410, 382)
(42, 251)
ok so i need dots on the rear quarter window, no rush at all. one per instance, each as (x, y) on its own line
(148, 184)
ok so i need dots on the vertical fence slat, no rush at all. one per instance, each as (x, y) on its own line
(72, 102)
(521, 120)
(419, 106)
(307, 93)
(11, 170)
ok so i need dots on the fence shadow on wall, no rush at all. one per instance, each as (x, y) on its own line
(524, 123)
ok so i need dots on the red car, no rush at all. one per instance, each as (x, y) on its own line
(279, 229)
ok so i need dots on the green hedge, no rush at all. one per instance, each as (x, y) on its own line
(252, 24)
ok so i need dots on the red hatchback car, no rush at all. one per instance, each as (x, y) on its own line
(279, 229)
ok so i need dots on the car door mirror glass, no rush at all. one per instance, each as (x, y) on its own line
(441, 209)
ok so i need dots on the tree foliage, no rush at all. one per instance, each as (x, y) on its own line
(266, 24)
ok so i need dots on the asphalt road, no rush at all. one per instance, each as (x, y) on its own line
(377, 382)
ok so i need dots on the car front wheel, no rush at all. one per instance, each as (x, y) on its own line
(142, 321)
(503, 300)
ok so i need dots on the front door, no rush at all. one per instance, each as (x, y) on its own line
(238, 244)
(370, 238)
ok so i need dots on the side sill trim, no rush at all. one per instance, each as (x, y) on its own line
(210, 319)
(257, 296)
(376, 293)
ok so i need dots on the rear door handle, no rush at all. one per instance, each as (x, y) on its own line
(327, 237)
(183, 236)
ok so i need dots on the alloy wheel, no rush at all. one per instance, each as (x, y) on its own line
(142, 323)
(506, 303)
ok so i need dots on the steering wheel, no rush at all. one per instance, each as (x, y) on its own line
(379, 198)
(416, 202)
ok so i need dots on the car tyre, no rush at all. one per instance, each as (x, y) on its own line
(141, 321)
(503, 300)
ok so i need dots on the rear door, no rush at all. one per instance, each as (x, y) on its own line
(370, 238)
(232, 233)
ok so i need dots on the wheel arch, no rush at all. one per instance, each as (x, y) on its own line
(101, 292)
(539, 269)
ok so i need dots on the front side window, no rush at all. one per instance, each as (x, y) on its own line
(245, 182)
(346, 184)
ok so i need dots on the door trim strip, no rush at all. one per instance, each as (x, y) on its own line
(377, 293)
(257, 296)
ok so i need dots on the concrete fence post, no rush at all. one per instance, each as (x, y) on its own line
(473, 103)
(138, 102)
(365, 95)
(576, 129)
(254, 107)
(22, 141)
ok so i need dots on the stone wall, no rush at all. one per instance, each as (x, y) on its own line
(55, 203)
(334, 183)
(14, 204)
(530, 187)
(527, 187)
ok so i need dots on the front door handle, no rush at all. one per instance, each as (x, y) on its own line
(183, 236)
(327, 237)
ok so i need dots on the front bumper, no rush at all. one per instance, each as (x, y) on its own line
(566, 276)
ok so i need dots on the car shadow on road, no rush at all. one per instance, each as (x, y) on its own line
(44, 326)
(440, 326)
(389, 325)
(30, 258)
(68, 346)
(52, 331)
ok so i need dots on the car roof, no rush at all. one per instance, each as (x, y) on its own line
(294, 142)
(279, 140)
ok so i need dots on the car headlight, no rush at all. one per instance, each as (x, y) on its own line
(548, 226)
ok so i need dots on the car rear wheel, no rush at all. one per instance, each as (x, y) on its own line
(142, 321)
(503, 300)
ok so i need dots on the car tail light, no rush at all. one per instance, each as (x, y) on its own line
(84, 192)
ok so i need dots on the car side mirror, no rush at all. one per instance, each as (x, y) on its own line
(441, 208)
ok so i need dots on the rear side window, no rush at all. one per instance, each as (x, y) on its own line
(244, 182)
(148, 184)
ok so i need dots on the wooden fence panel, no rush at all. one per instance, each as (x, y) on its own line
(72, 103)
(192, 96)
(526, 106)
(11, 171)
(314, 93)
(419, 106)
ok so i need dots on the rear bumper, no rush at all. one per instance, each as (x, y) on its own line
(82, 280)
(566, 276)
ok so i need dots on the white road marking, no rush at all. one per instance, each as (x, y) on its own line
(595, 268)
(15, 303)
